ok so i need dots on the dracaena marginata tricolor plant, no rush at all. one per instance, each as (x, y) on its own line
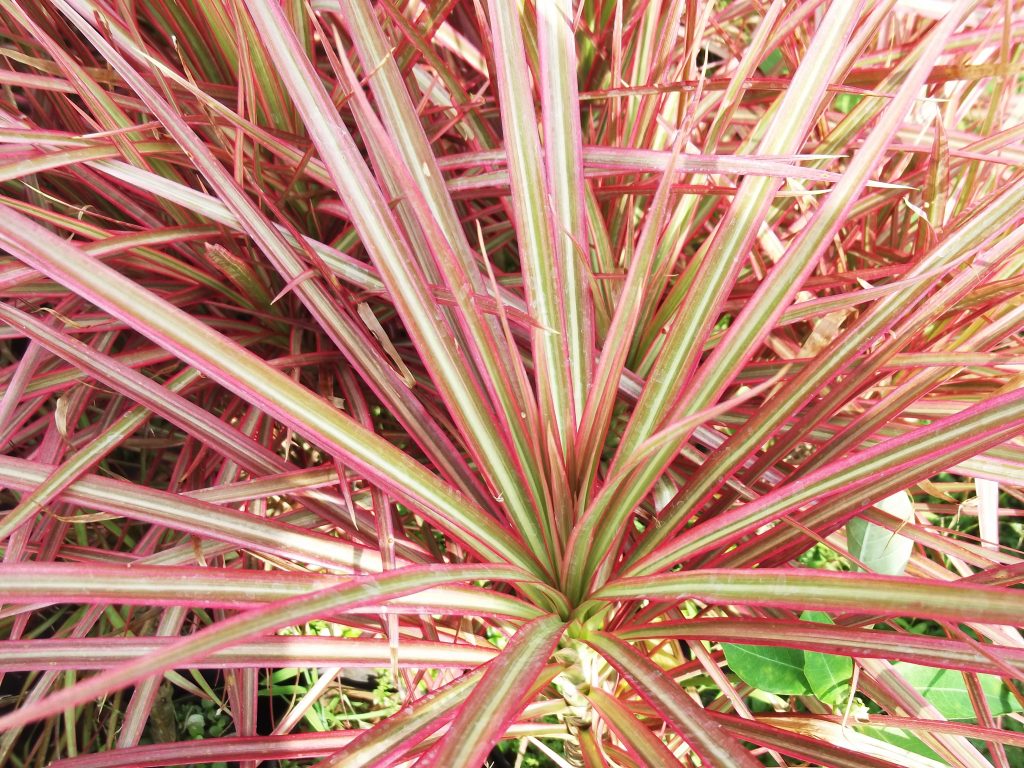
(626, 382)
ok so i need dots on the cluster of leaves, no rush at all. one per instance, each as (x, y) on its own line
(572, 362)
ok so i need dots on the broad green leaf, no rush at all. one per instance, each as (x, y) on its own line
(878, 548)
(770, 668)
(946, 690)
(827, 674)
(903, 739)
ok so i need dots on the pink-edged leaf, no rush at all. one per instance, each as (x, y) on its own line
(270, 389)
(564, 171)
(970, 730)
(106, 109)
(498, 698)
(590, 750)
(615, 347)
(161, 400)
(146, 692)
(800, 746)
(641, 742)
(715, 747)
(484, 428)
(196, 517)
(594, 524)
(130, 584)
(784, 133)
(351, 270)
(774, 293)
(611, 161)
(81, 629)
(840, 640)
(805, 589)
(373, 218)
(875, 473)
(82, 461)
(601, 399)
(339, 325)
(359, 592)
(389, 740)
(103, 653)
(716, 272)
(438, 238)
(26, 165)
(543, 275)
(848, 348)
(291, 746)
(399, 115)
(99, 584)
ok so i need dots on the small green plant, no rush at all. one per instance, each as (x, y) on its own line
(609, 383)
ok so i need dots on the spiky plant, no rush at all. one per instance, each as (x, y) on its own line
(586, 367)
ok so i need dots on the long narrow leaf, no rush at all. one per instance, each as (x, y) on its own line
(407, 284)
(641, 742)
(498, 698)
(101, 653)
(802, 589)
(687, 718)
(360, 591)
(278, 394)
